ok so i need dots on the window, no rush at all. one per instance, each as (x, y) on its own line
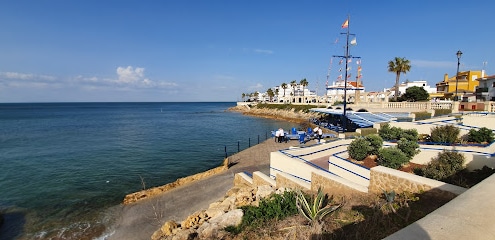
(493, 84)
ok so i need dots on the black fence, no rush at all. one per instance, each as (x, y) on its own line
(241, 144)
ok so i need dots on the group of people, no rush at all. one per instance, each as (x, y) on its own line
(280, 136)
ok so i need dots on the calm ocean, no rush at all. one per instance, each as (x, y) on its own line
(63, 165)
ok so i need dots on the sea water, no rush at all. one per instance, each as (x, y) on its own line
(62, 165)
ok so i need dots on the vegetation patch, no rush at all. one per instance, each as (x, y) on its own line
(482, 135)
(276, 207)
(445, 134)
(392, 157)
(368, 131)
(287, 107)
(442, 167)
(442, 112)
(422, 116)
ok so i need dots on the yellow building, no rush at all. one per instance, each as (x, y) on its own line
(466, 84)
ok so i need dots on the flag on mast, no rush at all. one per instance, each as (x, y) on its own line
(353, 41)
(345, 24)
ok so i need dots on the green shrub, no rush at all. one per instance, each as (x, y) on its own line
(389, 133)
(376, 142)
(445, 133)
(444, 165)
(278, 206)
(359, 148)
(422, 115)
(368, 131)
(409, 134)
(480, 136)
(392, 157)
(410, 148)
(404, 119)
(441, 112)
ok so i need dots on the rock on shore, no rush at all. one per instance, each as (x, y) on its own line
(210, 223)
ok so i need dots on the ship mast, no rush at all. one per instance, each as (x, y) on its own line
(347, 56)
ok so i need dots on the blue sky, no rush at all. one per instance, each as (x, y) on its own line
(116, 51)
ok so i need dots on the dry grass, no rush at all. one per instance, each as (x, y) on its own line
(363, 216)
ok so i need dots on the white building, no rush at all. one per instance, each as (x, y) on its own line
(403, 86)
(293, 94)
(486, 89)
(335, 92)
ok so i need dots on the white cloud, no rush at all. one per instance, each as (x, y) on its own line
(26, 76)
(263, 51)
(20, 80)
(258, 87)
(130, 75)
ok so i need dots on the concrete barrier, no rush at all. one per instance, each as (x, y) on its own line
(344, 168)
(260, 179)
(288, 181)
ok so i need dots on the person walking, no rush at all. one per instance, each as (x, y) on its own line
(318, 133)
(281, 135)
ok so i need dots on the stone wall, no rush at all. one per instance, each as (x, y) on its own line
(287, 181)
(242, 179)
(334, 185)
(383, 178)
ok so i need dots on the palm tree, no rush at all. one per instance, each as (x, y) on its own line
(284, 86)
(270, 93)
(304, 83)
(243, 96)
(293, 84)
(398, 66)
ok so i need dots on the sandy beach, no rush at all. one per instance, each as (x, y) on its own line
(139, 220)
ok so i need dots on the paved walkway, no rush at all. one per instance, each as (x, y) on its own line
(139, 221)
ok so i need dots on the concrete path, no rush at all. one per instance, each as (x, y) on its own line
(139, 221)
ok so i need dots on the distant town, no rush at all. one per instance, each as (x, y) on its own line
(466, 86)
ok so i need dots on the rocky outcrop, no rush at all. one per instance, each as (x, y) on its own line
(286, 115)
(210, 223)
(134, 197)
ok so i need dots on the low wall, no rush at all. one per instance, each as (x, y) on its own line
(242, 179)
(292, 166)
(383, 178)
(287, 181)
(151, 192)
(260, 179)
(333, 184)
(340, 166)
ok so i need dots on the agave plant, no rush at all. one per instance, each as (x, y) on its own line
(316, 209)
(389, 198)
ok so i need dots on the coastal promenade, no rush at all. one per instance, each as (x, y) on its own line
(139, 220)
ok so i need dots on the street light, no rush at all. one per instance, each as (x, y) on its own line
(459, 53)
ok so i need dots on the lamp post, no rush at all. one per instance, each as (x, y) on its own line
(459, 53)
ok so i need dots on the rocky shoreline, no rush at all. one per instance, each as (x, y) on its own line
(286, 115)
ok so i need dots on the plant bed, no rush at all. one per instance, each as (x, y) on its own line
(363, 216)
